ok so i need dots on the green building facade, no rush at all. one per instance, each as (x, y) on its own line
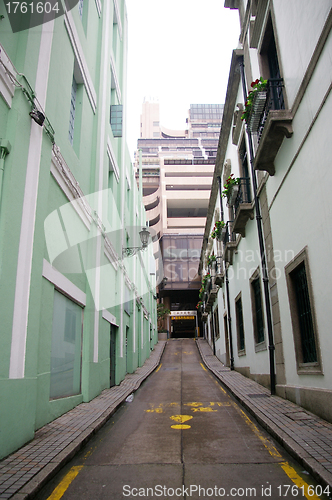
(77, 311)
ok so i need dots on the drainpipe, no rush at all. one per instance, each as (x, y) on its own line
(5, 148)
(227, 289)
(213, 338)
(261, 248)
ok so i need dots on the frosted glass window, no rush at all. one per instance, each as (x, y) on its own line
(66, 352)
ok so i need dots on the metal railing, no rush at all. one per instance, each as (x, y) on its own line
(244, 193)
(229, 235)
(219, 265)
(274, 101)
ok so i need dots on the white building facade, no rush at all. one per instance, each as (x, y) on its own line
(266, 306)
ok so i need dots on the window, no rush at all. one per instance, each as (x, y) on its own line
(271, 68)
(66, 347)
(116, 119)
(239, 325)
(72, 110)
(128, 303)
(302, 313)
(216, 324)
(257, 309)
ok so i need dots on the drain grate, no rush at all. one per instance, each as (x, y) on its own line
(259, 395)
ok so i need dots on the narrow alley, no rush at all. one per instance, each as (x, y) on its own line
(181, 436)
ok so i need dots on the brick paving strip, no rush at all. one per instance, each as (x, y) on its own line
(306, 437)
(25, 472)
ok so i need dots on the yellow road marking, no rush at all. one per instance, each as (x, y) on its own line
(288, 469)
(268, 445)
(181, 418)
(300, 483)
(221, 388)
(203, 367)
(181, 426)
(157, 370)
(206, 409)
(155, 410)
(63, 486)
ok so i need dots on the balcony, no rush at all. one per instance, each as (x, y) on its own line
(273, 124)
(229, 241)
(212, 291)
(243, 207)
(219, 276)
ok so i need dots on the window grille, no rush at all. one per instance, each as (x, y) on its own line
(258, 310)
(240, 325)
(299, 278)
(72, 111)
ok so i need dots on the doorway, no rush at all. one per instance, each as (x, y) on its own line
(112, 354)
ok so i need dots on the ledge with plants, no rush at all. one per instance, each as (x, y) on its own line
(211, 260)
(255, 104)
(218, 230)
(231, 188)
(205, 281)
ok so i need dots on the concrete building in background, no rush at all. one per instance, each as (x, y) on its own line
(177, 169)
(266, 304)
(78, 310)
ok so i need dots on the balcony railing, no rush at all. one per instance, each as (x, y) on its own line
(219, 277)
(244, 193)
(243, 207)
(229, 242)
(275, 123)
(274, 100)
(229, 235)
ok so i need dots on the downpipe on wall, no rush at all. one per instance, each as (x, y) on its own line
(261, 247)
(229, 317)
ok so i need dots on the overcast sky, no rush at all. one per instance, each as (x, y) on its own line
(179, 51)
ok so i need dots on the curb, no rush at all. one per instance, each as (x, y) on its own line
(319, 473)
(130, 384)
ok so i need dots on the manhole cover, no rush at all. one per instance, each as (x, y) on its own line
(300, 415)
(259, 395)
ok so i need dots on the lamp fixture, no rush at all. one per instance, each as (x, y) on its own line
(130, 251)
(37, 116)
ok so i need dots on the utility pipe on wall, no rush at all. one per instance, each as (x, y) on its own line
(227, 289)
(4, 151)
(261, 247)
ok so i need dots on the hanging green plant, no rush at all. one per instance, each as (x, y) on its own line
(257, 86)
(229, 184)
(217, 230)
(211, 259)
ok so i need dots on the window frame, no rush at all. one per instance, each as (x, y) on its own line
(241, 351)
(302, 367)
(260, 345)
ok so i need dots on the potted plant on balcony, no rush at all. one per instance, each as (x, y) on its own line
(255, 104)
(219, 230)
(211, 260)
(199, 305)
(231, 189)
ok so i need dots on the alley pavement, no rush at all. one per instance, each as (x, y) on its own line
(25, 472)
(305, 436)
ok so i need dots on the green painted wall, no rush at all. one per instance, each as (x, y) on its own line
(27, 399)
